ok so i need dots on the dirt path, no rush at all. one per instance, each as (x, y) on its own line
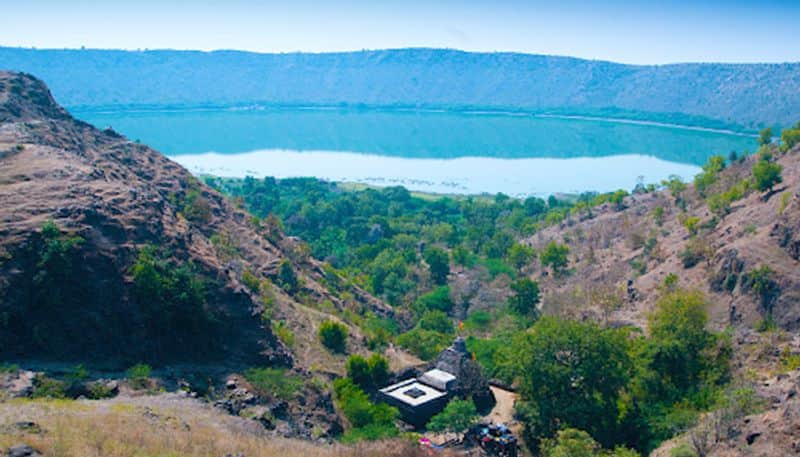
(503, 411)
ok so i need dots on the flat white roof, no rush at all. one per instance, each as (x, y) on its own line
(437, 378)
(412, 392)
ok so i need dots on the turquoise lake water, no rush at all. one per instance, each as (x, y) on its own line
(450, 152)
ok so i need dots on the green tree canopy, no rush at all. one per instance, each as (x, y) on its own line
(571, 442)
(456, 417)
(524, 297)
(767, 174)
(571, 374)
(439, 263)
(368, 373)
(554, 255)
(520, 255)
(437, 321)
(765, 136)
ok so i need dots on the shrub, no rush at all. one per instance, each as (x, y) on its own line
(497, 267)
(333, 335)
(251, 281)
(436, 321)
(287, 279)
(682, 450)
(554, 255)
(571, 442)
(46, 387)
(790, 137)
(283, 332)
(225, 245)
(439, 264)
(658, 215)
(275, 382)
(524, 297)
(368, 420)
(456, 417)
(8, 367)
(691, 223)
(520, 255)
(761, 281)
(99, 391)
(697, 249)
(708, 177)
(196, 207)
(425, 344)
(139, 376)
(766, 175)
(478, 320)
(438, 299)
(368, 373)
(172, 300)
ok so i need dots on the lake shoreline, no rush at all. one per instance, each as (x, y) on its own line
(647, 119)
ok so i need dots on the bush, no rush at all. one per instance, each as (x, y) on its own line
(439, 263)
(479, 320)
(368, 420)
(554, 255)
(46, 387)
(8, 367)
(283, 332)
(436, 321)
(524, 297)
(697, 249)
(790, 137)
(456, 417)
(761, 282)
(139, 376)
(425, 344)
(333, 335)
(251, 281)
(436, 300)
(691, 223)
(766, 175)
(571, 442)
(287, 279)
(368, 373)
(99, 391)
(172, 301)
(196, 207)
(520, 256)
(275, 382)
(682, 450)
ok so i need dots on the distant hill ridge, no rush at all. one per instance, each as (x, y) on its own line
(744, 96)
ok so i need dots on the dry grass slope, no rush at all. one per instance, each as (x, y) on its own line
(163, 425)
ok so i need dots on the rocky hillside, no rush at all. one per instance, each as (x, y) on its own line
(620, 257)
(112, 254)
(747, 95)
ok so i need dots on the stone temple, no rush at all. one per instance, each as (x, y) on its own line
(454, 374)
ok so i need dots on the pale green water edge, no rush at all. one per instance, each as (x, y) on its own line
(430, 151)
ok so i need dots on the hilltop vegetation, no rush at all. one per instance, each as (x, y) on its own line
(714, 95)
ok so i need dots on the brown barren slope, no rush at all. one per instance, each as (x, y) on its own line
(119, 196)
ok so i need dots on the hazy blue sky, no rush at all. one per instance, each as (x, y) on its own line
(620, 30)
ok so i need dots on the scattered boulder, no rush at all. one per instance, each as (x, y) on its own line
(22, 450)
